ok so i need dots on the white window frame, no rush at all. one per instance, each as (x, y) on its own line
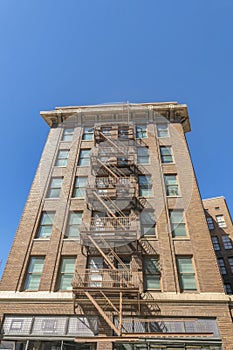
(68, 134)
(62, 158)
(84, 157)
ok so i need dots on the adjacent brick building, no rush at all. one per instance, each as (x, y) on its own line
(113, 250)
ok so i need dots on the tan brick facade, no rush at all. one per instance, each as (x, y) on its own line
(175, 305)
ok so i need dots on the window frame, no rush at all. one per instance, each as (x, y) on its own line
(162, 132)
(42, 224)
(84, 155)
(210, 222)
(87, 133)
(183, 274)
(148, 227)
(222, 266)
(62, 159)
(54, 188)
(30, 273)
(61, 273)
(70, 226)
(79, 188)
(227, 289)
(220, 219)
(230, 262)
(145, 186)
(141, 131)
(154, 275)
(177, 224)
(216, 244)
(67, 136)
(163, 156)
(227, 243)
(174, 192)
(142, 157)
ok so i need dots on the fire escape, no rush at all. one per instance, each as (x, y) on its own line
(110, 283)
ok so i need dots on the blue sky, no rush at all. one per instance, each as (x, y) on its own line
(58, 53)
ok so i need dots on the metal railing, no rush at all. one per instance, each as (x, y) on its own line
(105, 278)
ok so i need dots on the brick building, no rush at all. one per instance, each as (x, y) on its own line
(221, 231)
(113, 250)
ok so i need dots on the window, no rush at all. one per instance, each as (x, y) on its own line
(88, 134)
(84, 157)
(186, 273)
(123, 132)
(143, 155)
(68, 134)
(106, 131)
(210, 223)
(177, 223)
(162, 130)
(171, 185)
(230, 261)
(151, 273)
(215, 242)
(55, 187)
(147, 220)
(34, 273)
(46, 224)
(62, 158)
(141, 131)
(227, 242)
(66, 273)
(221, 221)
(73, 225)
(145, 186)
(80, 186)
(222, 266)
(166, 154)
(228, 289)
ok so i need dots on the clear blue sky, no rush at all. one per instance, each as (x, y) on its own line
(58, 53)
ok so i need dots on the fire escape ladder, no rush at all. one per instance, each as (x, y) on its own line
(112, 253)
(103, 314)
(114, 206)
(105, 205)
(107, 168)
(109, 302)
(105, 256)
(121, 149)
(116, 170)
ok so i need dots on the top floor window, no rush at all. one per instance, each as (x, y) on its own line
(106, 131)
(68, 134)
(162, 130)
(88, 134)
(221, 221)
(141, 131)
(124, 132)
(210, 223)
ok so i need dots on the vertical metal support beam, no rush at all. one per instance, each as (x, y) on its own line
(120, 314)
